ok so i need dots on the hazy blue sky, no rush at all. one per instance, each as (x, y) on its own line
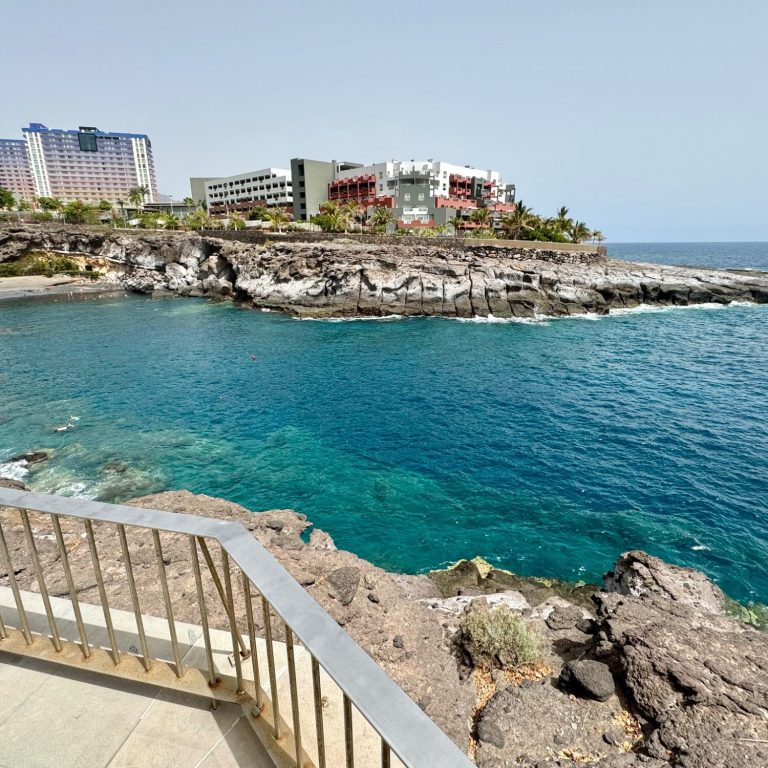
(649, 120)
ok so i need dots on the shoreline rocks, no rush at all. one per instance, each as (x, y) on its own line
(343, 279)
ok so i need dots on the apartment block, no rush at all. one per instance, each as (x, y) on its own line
(15, 175)
(269, 188)
(85, 164)
(419, 192)
(423, 192)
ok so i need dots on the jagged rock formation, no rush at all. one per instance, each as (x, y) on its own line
(349, 279)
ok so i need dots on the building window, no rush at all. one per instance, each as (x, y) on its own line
(421, 195)
(407, 196)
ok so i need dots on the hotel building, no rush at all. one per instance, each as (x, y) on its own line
(268, 188)
(420, 193)
(86, 164)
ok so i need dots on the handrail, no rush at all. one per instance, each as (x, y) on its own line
(403, 727)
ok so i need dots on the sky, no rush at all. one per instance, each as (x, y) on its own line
(648, 120)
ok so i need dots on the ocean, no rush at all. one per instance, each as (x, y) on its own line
(546, 447)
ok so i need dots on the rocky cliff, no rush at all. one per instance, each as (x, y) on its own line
(336, 278)
(647, 672)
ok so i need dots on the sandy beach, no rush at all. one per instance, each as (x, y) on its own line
(38, 285)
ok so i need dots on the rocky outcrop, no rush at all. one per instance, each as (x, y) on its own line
(699, 679)
(324, 279)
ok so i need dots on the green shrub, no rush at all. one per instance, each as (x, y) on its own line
(499, 638)
(40, 263)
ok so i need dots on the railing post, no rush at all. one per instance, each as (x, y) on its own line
(134, 597)
(167, 601)
(232, 620)
(318, 700)
(212, 679)
(70, 585)
(222, 594)
(252, 640)
(15, 588)
(271, 666)
(102, 591)
(294, 693)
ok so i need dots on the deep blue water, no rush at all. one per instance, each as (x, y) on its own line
(548, 448)
(720, 255)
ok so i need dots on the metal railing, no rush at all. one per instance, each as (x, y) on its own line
(401, 727)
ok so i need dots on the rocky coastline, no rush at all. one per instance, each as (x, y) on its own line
(349, 279)
(645, 671)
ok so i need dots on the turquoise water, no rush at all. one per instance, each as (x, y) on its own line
(548, 448)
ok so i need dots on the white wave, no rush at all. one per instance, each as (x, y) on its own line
(493, 320)
(649, 308)
(700, 548)
(14, 470)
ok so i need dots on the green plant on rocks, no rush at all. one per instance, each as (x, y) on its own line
(499, 638)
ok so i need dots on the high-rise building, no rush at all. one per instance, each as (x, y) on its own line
(86, 164)
(15, 175)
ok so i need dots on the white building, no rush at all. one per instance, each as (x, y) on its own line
(268, 188)
(423, 192)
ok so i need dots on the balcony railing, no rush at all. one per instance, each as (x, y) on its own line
(216, 549)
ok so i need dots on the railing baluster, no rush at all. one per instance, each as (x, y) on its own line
(40, 579)
(349, 746)
(15, 588)
(217, 582)
(294, 693)
(147, 661)
(385, 754)
(102, 591)
(85, 647)
(252, 640)
(167, 601)
(212, 680)
(271, 666)
(318, 697)
(232, 621)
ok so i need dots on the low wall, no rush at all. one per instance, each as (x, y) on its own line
(259, 237)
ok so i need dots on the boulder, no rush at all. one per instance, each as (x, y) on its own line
(564, 617)
(588, 678)
(344, 582)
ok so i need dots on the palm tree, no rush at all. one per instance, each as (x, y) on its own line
(520, 219)
(456, 222)
(598, 236)
(137, 196)
(382, 217)
(277, 217)
(188, 201)
(198, 220)
(236, 221)
(579, 232)
(336, 216)
(561, 218)
(481, 216)
(172, 222)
